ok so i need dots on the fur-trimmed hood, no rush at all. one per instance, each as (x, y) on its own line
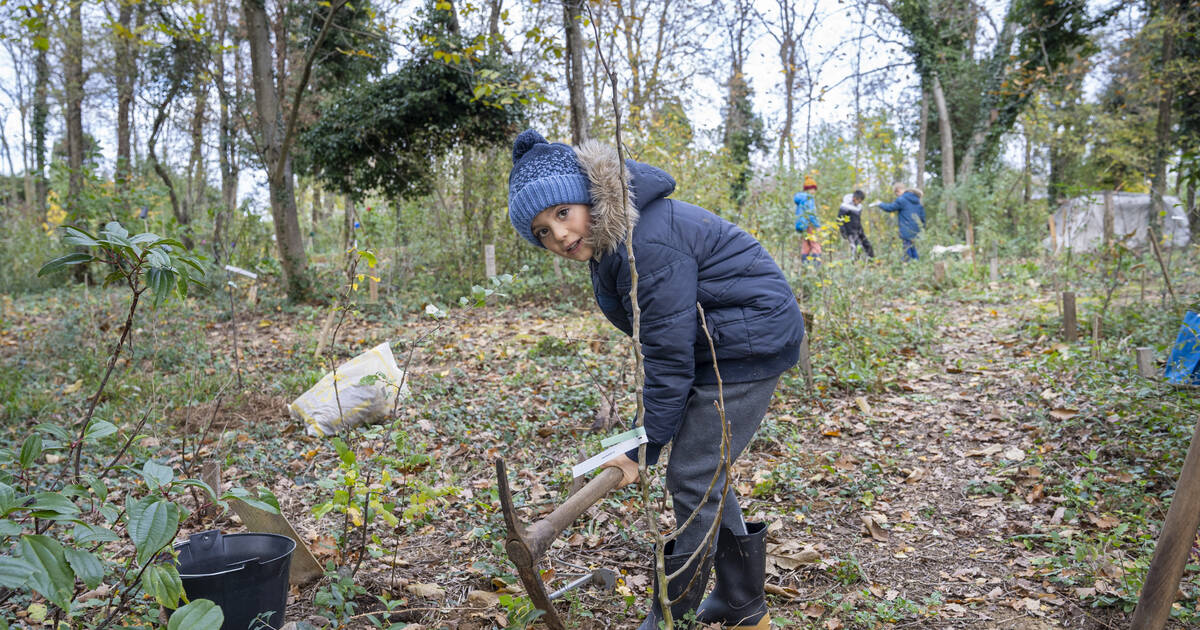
(610, 219)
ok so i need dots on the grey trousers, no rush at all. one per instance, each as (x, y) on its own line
(696, 455)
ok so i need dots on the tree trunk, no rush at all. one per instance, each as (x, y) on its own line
(126, 70)
(73, 75)
(1193, 211)
(197, 181)
(574, 69)
(227, 150)
(316, 206)
(16, 183)
(786, 40)
(329, 205)
(348, 220)
(41, 107)
(1162, 130)
(292, 257)
(1027, 171)
(947, 140)
(177, 210)
(983, 138)
(923, 143)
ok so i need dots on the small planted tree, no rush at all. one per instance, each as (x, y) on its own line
(94, 555)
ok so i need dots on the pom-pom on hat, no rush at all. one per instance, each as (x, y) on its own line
(543, 174)
(809, 183)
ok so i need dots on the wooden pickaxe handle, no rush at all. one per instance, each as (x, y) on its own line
(526, 544)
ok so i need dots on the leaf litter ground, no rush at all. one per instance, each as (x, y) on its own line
(912, 506)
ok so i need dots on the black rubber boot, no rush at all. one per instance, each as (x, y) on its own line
(686, 604)
(737, 599)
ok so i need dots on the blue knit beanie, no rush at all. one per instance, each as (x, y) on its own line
(543, 174)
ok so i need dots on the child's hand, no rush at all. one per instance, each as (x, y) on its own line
(628, 468)
(874, 204)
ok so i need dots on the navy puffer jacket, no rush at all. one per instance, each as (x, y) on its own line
(909, 210)
(685, 255)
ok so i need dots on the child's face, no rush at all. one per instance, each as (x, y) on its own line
(563, 229)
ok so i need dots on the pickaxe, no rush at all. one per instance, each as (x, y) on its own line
(526, 544)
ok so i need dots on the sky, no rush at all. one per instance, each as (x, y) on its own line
(832, 41)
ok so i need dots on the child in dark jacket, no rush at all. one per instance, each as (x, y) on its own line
(909, 210)
(571, 202)
(850, 218)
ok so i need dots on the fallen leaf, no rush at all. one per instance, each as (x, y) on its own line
(483, 599)
(786, 592)
(430, 591)
(985, 452)
(916, 475)
(814, 610)
(1014, 454)
(833, 623)
(1064, 413)
(863, 405)
(73, 387)
(873, 526)
(1103, 521)
(790, 555)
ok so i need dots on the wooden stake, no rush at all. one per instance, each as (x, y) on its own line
(373, 284)
(1053, 235)
(326, 328)
(1070, 332)
(210, 473)
(1161, 265)
(1096, 335)
(806, 352)
(939, 272)
(1143, 284)
(971, 241)
(489, 260)
(994, 270)
(1145, 363)
(1174, 543)
(1108, 220)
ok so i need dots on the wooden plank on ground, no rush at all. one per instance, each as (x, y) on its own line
(305, 567)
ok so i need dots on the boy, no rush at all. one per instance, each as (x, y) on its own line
(571, 202)
(850, 218)
(908, 209)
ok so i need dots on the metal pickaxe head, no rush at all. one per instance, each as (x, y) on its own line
(526, 544)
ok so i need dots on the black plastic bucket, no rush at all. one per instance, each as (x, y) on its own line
(245, 574)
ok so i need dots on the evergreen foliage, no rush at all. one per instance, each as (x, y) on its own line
(385, 135)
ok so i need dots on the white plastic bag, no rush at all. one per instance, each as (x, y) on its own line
(326, 409)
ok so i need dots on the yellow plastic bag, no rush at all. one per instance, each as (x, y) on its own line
(326, 409)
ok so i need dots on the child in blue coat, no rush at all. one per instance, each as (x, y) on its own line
(807, 221)
(909, 210)
(571, 202)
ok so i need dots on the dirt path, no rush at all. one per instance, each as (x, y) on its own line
(914, 493)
